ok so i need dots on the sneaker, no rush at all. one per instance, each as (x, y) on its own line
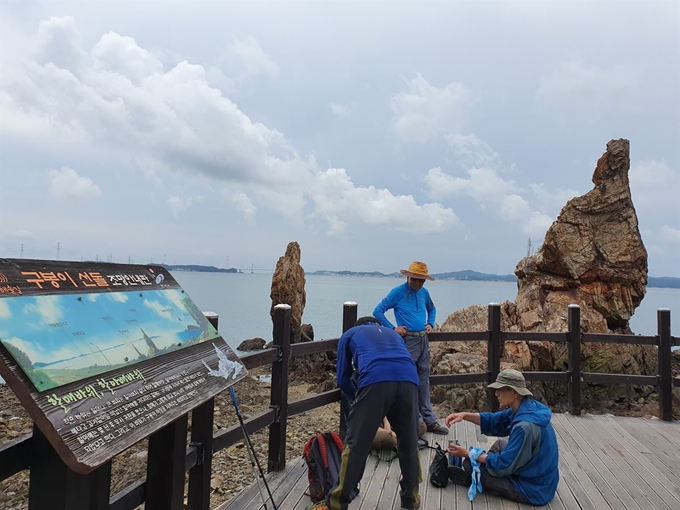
(436, 428)
(459, 476)
(411, 506)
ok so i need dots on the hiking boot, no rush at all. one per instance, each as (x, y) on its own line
(459, 476)
(436, 428)
(411, 505)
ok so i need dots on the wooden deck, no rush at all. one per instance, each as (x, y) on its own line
(606, 462)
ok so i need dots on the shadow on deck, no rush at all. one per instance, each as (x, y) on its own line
(606, 462)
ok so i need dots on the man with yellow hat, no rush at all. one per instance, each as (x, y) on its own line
(415, 315)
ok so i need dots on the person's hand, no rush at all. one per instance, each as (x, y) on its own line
(457, 450)
(428, 328)
(401, 330)
(454, 418)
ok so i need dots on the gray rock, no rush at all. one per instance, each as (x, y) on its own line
(252, 344)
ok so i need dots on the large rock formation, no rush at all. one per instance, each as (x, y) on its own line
(592, 256)
(288, 287)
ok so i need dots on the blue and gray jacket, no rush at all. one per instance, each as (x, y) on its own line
(530, 459)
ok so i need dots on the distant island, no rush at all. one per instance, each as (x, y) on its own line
(198, 269)
(666, 282)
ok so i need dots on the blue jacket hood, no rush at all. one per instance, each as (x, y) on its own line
(532, 411)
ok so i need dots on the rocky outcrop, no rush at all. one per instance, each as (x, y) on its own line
(592, 256)
(307, 333)
(288, 287)
(252, 344)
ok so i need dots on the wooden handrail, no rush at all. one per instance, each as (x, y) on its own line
(20, 454)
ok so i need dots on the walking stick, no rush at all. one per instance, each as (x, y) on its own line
(251, 452)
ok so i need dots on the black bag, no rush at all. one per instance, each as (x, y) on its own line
(439, 469)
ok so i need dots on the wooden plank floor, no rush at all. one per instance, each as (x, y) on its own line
(606, 462)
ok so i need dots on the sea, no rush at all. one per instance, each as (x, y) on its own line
(242, 301)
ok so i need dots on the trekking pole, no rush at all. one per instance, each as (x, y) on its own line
(251, 451)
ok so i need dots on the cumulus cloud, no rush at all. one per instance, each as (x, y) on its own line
(494, 194)
(471, 150)
(339, 110)
(255, 60)
(576, 89)
(178, 205)
(426, 112)
(537, 225)
(244, 205)
(66, 184)
(654, 185)
(670, 234)
(336, 197)
(5, 312)
(47, 307)
(552, 199)
(171, 121)
(482, 184)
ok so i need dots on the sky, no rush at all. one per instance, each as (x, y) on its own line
(373, 133)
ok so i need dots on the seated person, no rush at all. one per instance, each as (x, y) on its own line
(523, 467)
(385, 442)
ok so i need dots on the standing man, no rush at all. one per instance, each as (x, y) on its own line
(523, 467)
(385, 385)
(415, 314)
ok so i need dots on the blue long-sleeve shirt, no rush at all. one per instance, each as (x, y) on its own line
(378, 354)
(413, 309)
(530, 459)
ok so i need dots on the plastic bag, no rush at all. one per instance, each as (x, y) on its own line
(439, 472)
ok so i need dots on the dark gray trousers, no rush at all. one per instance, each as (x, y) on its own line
(399, 402)
(499, 485)
(419, 347)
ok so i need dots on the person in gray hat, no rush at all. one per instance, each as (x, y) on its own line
(522, 467)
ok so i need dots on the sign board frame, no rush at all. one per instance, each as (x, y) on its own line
(88, 419)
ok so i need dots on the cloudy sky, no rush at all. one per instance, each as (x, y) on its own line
(373, 133)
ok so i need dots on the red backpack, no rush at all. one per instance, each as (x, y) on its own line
(323, 457)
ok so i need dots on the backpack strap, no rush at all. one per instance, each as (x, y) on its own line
(338, 441)
(321, 439)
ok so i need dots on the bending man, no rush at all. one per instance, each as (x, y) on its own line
(387, 385)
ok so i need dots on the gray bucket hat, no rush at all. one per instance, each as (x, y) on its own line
(511, 378)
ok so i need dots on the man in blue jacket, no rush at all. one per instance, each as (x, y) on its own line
(523, 467)
(385, 383)
(415, 314)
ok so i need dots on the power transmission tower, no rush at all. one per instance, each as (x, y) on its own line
(58, 246)
(21, 255)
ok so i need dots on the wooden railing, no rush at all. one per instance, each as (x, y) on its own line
(54, 486)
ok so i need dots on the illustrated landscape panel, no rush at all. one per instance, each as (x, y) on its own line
(58, 335)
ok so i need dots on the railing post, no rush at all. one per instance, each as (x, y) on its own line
(574, 388)
(279, 392)
(665, 386)
(54, 486)
(202, 418)
(349, 319)
(349, 315)
(165, 467)
(494, 353)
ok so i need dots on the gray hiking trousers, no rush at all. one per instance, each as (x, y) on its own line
(419, 347)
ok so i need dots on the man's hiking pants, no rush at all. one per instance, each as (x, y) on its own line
(399, 402)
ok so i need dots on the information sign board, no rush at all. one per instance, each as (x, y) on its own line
(102, 355)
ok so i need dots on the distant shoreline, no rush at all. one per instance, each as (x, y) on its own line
(663, 282)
